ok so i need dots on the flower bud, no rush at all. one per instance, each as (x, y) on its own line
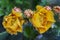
(17, 9)
(28, 13)
(57, 9)
(48, 8)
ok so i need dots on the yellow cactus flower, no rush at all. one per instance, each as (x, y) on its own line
(42, 19)
(13, 22)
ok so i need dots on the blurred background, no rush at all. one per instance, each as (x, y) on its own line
(29, 33)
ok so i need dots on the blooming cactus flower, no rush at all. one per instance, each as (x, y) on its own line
(42, 19)
(13, 22)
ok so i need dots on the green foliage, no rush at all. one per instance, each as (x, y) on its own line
(29, 31)
(3, 35)
(19, 1)
(5, 7)
(44, 3)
